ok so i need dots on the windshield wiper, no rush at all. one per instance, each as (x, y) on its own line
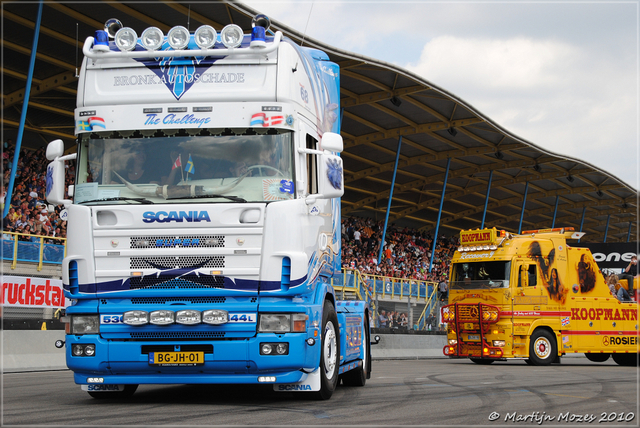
(230, 197)
(120, 198)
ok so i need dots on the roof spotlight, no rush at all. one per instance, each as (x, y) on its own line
(152, 38)
(232, 36)
(452, 131)
(178, 37)
(112, 26)
(205, 36)
(126, 39)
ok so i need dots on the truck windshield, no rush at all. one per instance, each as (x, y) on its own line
(175, 167)
(477, 275)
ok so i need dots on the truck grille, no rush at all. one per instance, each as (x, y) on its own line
(179, 262)
(167, 282)
(178, 335)
(186, 241)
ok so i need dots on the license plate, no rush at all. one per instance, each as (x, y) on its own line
(473, 337)
(468, 326)
(176, 359)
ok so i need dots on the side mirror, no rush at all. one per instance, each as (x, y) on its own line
(330, 176)
(55, 173)
(332, 142)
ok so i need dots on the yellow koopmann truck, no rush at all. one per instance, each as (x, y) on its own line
(534, 297)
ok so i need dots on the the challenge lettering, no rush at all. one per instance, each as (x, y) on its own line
(604, 314)
(166, 217)
(172, 119)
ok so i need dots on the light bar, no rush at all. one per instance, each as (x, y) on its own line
(231, 36)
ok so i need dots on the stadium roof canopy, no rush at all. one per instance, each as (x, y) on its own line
(381, 103)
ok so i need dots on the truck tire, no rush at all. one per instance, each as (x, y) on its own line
(482, 361)
(625, 359)
(359, 376)
(127, 392)
(597, 357)
(542, 348)
(329, 353)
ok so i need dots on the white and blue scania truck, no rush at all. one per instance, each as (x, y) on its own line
(204, 229)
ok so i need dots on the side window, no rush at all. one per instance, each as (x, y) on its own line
(312, 166)
(533, 276)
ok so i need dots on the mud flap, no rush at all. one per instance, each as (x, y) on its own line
(309, 384)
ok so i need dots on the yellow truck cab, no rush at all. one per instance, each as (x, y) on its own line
(532, 296)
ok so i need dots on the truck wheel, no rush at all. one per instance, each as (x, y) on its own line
(127, 392)
(542, 348)
(481, 361)
(625, 359)
(597, 358)
(359, 376)
(329, 353)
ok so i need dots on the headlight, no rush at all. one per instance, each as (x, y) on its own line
(499, 343)
(136, 317)
(152, 38)
(85, 324)
(232, 36)
(188, 317)
(126, 39)
(215, 317)
(278, 323)
(178, 37)
(205, 37)
(161, 317)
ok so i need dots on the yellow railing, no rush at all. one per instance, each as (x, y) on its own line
(427, 306)
(15, 235)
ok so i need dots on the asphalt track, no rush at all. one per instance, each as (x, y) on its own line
(434, 391)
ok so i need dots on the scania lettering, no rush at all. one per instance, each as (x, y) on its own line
(534, 297)
(204, 230)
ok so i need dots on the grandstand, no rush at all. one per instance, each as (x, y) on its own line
(395, 123)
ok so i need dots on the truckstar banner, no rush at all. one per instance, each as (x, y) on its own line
(32, 292)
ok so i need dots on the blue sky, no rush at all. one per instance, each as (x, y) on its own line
(562, 75)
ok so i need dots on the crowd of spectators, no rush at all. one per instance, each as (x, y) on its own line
(406, 252)
(29, 213)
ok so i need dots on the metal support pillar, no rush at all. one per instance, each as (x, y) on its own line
(629, 233)
(435, 236)
(606, 229)
(555, 211)
(584, 210)
(393, 182)
(23, 114)
(524, 201)
(486, 201)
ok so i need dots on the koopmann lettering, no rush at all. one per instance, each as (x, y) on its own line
(603, 314)
(152, 79)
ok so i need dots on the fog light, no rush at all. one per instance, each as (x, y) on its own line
(178, 37)
(77, 350)
(266, 378)
(152, 38)
(266, 349)
(499, 343)
(188, 317)
(161, 317)
(95, 380)
(215, 316)
(90, 350)
(311, 341)
(205, 36)
(282, 348)
(126, 39)
(453, 341)
(231, 36)
(136, 317)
